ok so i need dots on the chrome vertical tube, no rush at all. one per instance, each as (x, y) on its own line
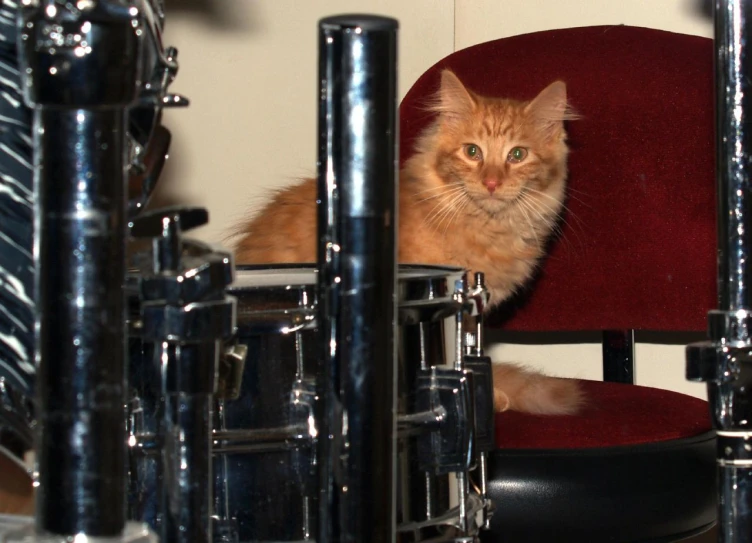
(187, 489)
(725, 361)
(80, 316)
(357, 259)
(733, 29)
(80, 106)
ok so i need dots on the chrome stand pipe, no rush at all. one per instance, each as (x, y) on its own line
(725, 360)
(80, 110)
(357, 274)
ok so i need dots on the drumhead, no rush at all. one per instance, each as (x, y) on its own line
(278, 296)
(249, 276)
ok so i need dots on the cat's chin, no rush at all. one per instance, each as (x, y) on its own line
(494, 206)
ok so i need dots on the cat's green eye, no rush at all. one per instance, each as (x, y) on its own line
(517, 154)
(473, 152)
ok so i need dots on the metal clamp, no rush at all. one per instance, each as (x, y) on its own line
(727, 369)
(186, 315)
(230, 371)
(482, 380)
(448, 449)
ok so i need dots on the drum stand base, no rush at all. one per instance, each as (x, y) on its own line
(134, 532)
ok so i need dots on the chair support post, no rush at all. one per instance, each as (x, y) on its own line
(725, 360)
(619, 356)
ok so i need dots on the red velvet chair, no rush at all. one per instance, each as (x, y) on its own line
(639, 463)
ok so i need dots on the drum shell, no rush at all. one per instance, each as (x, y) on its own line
(264, 448)
(272, 494)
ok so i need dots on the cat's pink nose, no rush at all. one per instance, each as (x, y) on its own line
(491, 184)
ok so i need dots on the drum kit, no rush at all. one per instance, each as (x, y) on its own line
(180, 397)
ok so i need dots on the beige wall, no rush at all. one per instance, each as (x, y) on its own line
(249, 68)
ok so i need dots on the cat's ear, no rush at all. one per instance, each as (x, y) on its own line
(549, 109)
(453, 100)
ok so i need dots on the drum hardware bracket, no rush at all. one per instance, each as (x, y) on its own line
(480, 368)
(155, 93)
(230, 371)
(146, 165)
(449, 448)
(186, 315)
(725, 364)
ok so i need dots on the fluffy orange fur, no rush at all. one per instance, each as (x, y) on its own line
(483, 191)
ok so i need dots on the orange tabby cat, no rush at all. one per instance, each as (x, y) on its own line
(483, 191)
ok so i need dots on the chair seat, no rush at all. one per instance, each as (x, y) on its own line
(615, 415)
(637, 464)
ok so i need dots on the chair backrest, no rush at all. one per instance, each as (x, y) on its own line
(638, 245)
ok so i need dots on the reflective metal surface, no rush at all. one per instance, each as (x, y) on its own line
(264, 441)
(357, 261)
(80, 119)
(725, 361)
(82, 135)
(184, 318)
(733, 30)
(266, 484)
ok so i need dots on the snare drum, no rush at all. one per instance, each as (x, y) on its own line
(265, 426)
(265, 439)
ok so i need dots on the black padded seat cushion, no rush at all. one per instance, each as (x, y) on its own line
(601, 476)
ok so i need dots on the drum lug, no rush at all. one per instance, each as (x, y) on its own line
(481, 370)
(448, 449)
(230, 371)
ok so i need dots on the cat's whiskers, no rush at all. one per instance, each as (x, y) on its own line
(440, 187)
(554, 227)
(553, 223)
(439, 208)
(569, 211)
(452, 190)
(577, 226)
(445, 206)
(445, 212)
(547, 223)
(523, 209)
(571, 193)
(459, 209)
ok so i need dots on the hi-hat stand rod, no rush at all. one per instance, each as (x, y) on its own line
(357, 263)
(725, 361)
(67, 54)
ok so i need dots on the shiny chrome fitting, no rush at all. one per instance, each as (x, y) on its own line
(707, 362)
(734, 448)
(730, 326)
(728, 371)
(62, 47)
(230, 371)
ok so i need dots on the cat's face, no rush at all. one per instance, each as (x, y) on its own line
(503, 157)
